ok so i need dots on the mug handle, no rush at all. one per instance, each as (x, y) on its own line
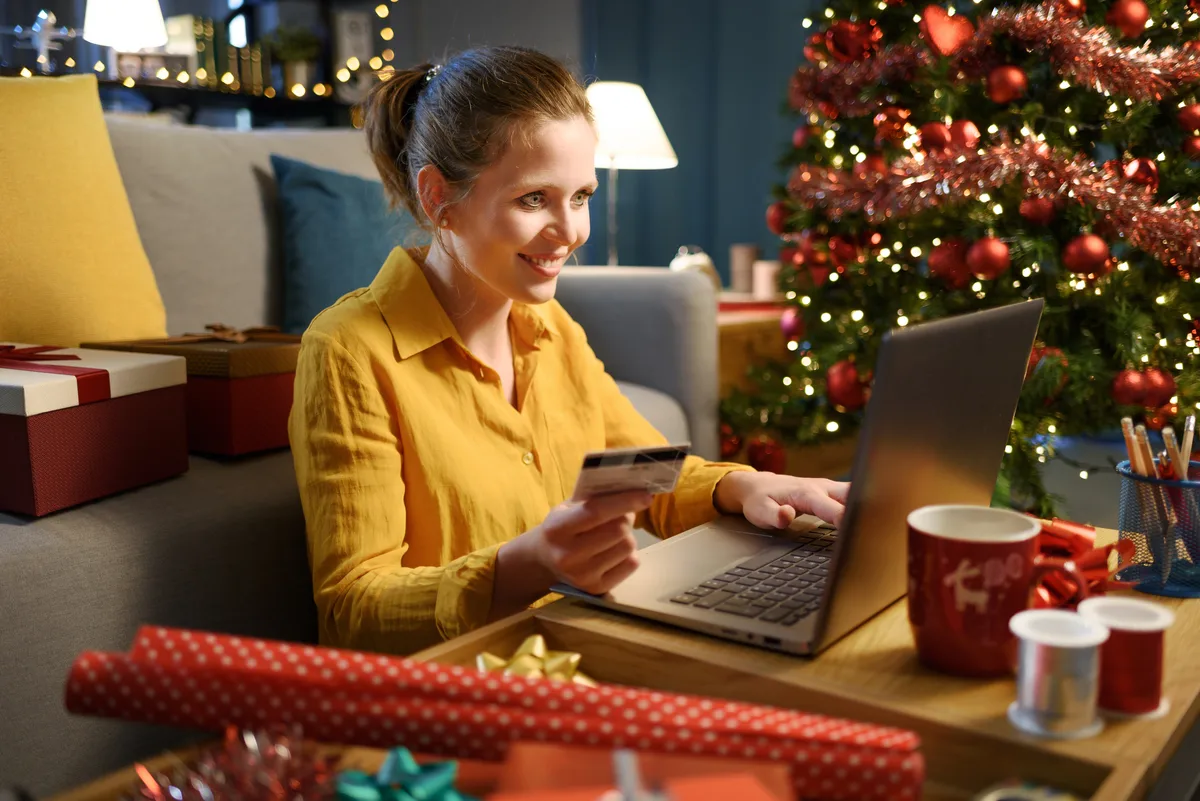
(1057, 590)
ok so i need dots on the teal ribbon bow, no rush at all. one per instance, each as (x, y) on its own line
(400, 778)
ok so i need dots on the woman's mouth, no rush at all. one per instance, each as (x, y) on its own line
(547, 266)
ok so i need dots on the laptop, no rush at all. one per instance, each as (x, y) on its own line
(943, 401)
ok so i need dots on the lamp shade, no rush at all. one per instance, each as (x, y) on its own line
(126, 25)
(631, 137)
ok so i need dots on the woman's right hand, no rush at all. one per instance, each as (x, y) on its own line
(589, 544)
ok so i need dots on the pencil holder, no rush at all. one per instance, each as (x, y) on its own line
(1161, 518)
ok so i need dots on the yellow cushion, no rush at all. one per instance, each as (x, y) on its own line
(72, 268)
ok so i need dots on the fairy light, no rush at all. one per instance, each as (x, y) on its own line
(902, 321)
(977, 286)
(831, 426)
(993, 129)
(860, 158)
(1124, 266)
(916, 17)
(1051, 428)
(805, 300)
(854, 150)
(1027, 272)
(1162, 343)
(829, 13)
(1008, 448)
(833, 277)
(998, 209)
(202, 75)
(885, 253)
(826, 317)
(1072, 130)
(806, 23)
(227, 78)
(805, 361)
(376, 63)
(162, 74)
(916, 252)
(1145, 359)
(353, 63)
(1039, 450)
(1113, 107)
(793, 345)
(808, 390)
(382, 11)
(791, 294)
(837, 161)
(1083, 474)
(923, 295)
(343, 75)
(1161, 300)
(856, 315)
(99, 66)
(129, 82)
(386, 34)
(70, 63)
(1064, 85)
(319, 90)
(1178, 366)
(984, 198)
(895, 268)
(898, 246)
(298, 90)
(388, 54)
(787, 380)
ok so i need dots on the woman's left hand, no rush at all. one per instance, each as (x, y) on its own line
(769, 500)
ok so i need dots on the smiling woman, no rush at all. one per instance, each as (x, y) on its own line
(443, 413)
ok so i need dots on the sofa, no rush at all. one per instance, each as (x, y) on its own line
(222, 547)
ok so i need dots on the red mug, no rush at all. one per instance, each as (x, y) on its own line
(970, 569)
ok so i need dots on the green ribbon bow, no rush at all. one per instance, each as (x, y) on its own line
(400, 778)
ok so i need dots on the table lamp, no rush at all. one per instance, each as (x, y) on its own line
(125, 25)
(630, 138)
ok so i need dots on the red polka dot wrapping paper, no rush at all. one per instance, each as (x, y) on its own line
(209, 681)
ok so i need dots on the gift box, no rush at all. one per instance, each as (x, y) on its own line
(239, 389)
(539, 770)
(78, 424)
(209, 681)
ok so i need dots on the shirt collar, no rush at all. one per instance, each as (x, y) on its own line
(415, 316)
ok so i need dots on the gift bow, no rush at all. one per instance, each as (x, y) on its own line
(226, 333)
(534, 660)
(1063, 539)
(401, 778)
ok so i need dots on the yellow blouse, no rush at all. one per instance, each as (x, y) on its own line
(414, 468)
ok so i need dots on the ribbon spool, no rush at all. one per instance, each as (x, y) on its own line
(1058, 669)
(1131, 662)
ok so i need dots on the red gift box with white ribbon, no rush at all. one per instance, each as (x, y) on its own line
(78, 424)
(210, 681)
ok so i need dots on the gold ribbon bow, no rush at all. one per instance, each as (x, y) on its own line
(225, 333)
(533, 659)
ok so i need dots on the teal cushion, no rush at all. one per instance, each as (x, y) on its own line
(337, 231)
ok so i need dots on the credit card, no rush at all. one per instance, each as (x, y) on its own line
(652, 469)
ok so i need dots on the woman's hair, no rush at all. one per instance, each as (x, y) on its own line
(459, 117)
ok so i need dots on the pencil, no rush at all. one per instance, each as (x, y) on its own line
(1145, 452)
(1135, 456)
(1178, 471)
(1185, 453)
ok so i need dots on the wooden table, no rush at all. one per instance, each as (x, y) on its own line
(872, 675)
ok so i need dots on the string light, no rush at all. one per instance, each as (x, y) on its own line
(381, 10)
(386, 34)
(70, 63)
(916, 252)
(895, 268)
(833, 277)
(376, 63)
(793, 345)
(353, 63)
(227, 78)
(806, 22)
(1008, 448)
(129, 82)
(1161, 300)
(826, 317)
(805, 361)
(856, 315)
(829, 13)
(787, 380)
(831, 426)
(25, 73)
(201, 74)
(804, 301)
(343, 75)
(885, 253)
(1083, 474)
(162, 74)
(922, 295)
(99, 67)
(388, 54)
(902, 321)
(808, 390)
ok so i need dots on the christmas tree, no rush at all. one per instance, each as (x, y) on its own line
(950, 158)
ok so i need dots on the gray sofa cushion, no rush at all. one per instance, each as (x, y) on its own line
(663, 411)
(205, 204)
(219, 548)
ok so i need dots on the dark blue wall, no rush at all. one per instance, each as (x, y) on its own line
(716, 73)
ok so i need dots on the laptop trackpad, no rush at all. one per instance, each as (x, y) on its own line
(684, 561)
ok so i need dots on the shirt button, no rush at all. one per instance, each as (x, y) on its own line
(528, 457)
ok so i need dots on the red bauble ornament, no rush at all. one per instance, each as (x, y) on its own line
(935, 137)
(987, 259)
(766, 455)
(1142, 171)
(1160, 387)
(1072, 8)
(944, 33)
(874, 164)
(1191, 147)
(1189, 118)
(777, 215)
(853, 41)
(948, 263)
(1037, 356)
(889, 125)
(844, 388)
(843, 250)
(1038, 210)
(731, 443)
(801, 135)
(1194, 6)
(1161, 417)
(1006, 84)
(792, 323)
(964, 135)
(1086, 255)
(1129, 388)
(1129, 17)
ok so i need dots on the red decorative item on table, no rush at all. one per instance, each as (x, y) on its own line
(354, 698)
(1063, 539)
(239, 389)
(78, 424)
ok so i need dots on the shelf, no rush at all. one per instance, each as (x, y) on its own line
(333, 111)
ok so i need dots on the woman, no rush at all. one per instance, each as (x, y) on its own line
(442, 413)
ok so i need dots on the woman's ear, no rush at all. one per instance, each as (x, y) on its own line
(432, 191)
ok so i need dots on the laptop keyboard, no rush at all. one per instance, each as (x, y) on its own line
(782, 590)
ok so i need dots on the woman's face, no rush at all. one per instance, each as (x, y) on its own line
(528, 211)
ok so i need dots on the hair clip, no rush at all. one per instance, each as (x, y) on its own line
(432, 72)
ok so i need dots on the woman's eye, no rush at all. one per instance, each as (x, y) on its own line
(582, 197)
(533, 200)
